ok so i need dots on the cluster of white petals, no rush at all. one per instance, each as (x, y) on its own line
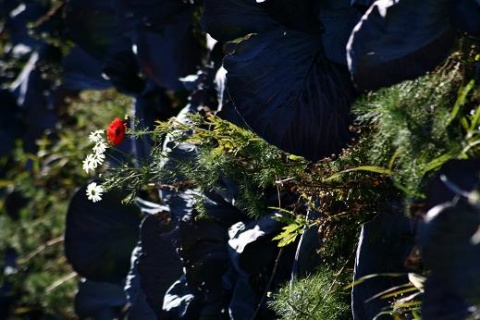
(93, 160)
(97, 157)
(100, 147)
(96, 136)
(89, 163)
(94, 192)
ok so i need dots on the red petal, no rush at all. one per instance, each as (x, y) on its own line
(116, 131)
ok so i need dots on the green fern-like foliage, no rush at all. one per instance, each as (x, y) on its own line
(418, 125)
(319, 296)
(407, 131)
(226, 151)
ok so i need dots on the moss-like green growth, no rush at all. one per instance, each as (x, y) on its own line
(319, 296)
(419, 125)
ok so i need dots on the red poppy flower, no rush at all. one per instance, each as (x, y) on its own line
(116, 131)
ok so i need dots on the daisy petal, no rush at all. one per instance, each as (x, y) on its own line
(94, 192)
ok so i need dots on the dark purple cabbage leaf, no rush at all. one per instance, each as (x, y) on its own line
(463, 174)
(466, 17)
(205, 259)
(220, 206)
(477, 72)
(180, 303)
(81, 71)
(244, 299)
(139, 306)
(99, 300)
(10, 123)
(150, 105)
(203, 94)
(307, 259)
(93, 26)
(289, 93)
(362, 4)
(450, 250)
(33, 91)
(253, 255)
(247, 239)
(166, 56)
(154, 14)
(158, 264)
(446, 234)
(297, 15)
(384, 244)
(338, 18)
(153, 104)
(282, 80)
(448, 246)
(401, 40)
(121, 68)
(162, 34)
(440, 303)
(99, 237)
(226, 20)
(20, 16)
(333, 19)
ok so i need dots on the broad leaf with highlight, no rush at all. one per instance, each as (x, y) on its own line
(399, 40)
(290, 94)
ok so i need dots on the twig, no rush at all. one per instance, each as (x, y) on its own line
(275, 266)
(41, 248)
(60, 281)
(270, 281)
(56, 8)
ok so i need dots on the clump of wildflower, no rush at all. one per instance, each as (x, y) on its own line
(114, 135)
(97, 157)
(96, 136)
(100, 147)
(94, 192)
(89, 164)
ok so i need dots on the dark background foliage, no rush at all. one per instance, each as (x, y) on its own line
(339, 125)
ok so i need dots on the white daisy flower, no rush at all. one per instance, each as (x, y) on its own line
(90, 163)
(98, 159)
(94, 192)
(96, 136)
(100, 147)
